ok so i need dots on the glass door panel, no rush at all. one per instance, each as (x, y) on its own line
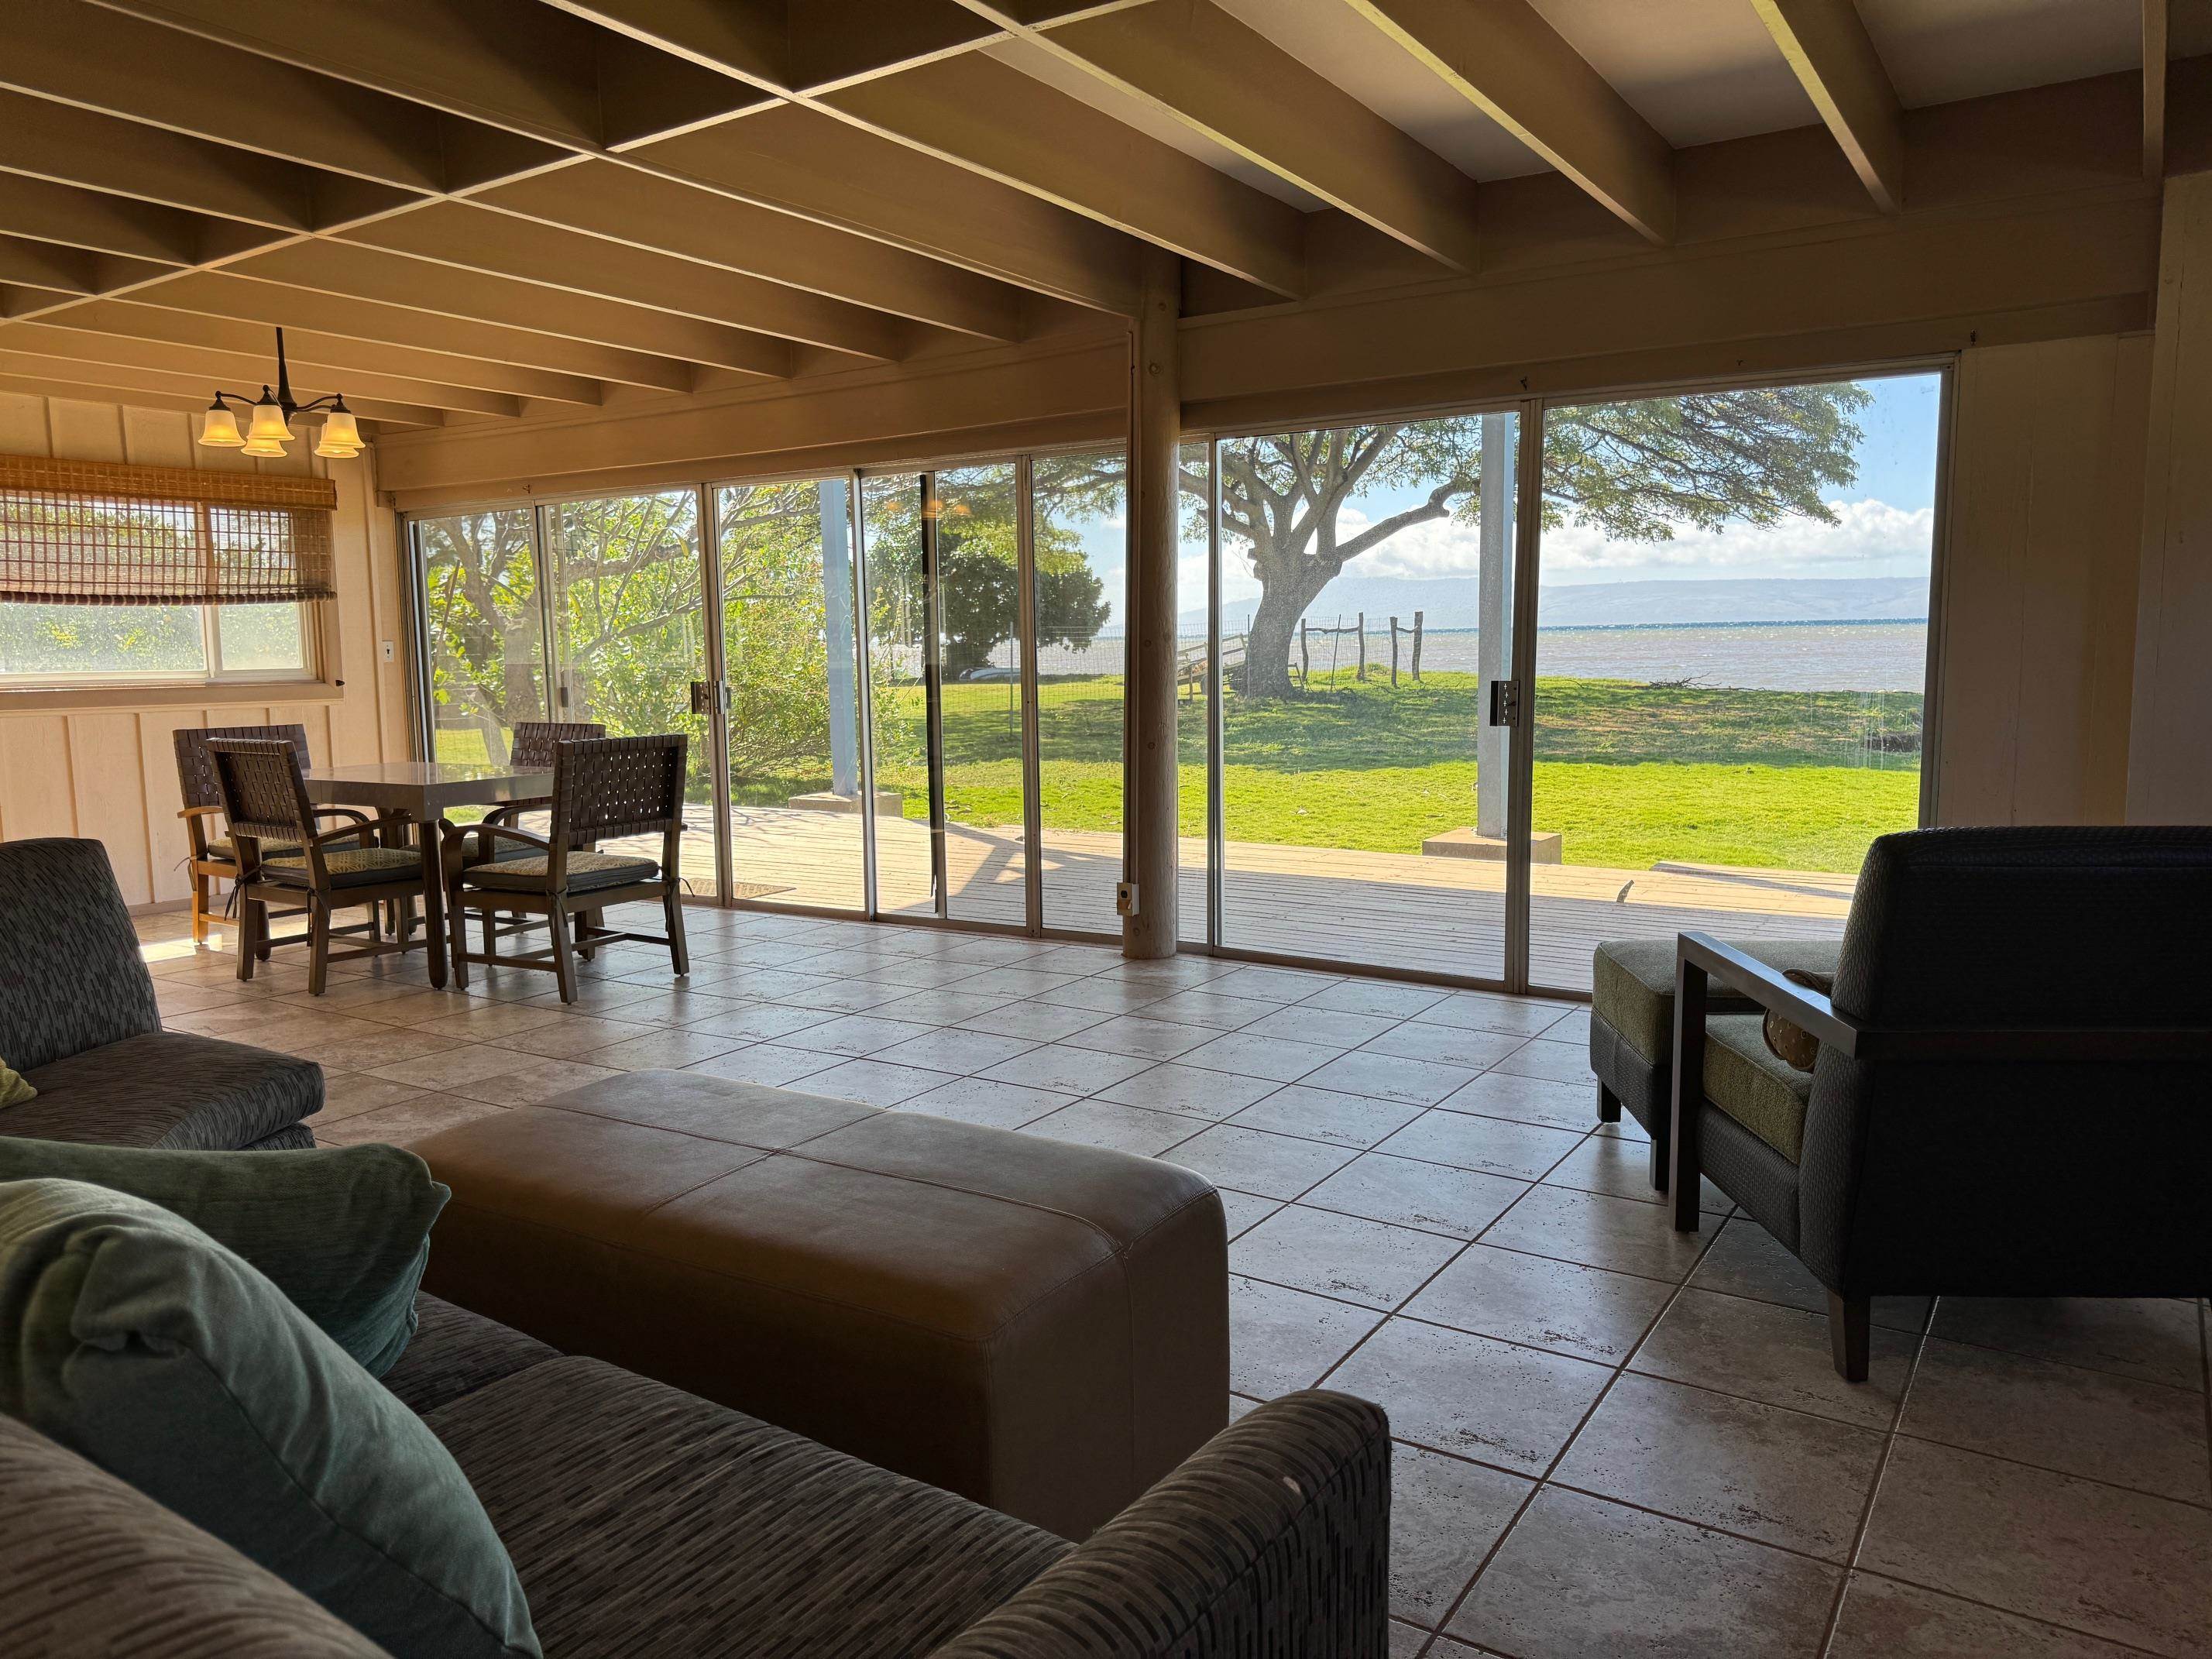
(1194, 679)
(898, 652)
(483, 631)
(1079, 556)
(630, 636)
(978, 606)
(1731, 654)
(790, 663)
(1366, 603)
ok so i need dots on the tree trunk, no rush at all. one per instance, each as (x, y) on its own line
(1267, 652)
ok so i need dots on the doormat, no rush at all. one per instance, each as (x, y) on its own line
(746, 889)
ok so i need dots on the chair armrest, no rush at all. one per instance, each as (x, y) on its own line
(1748, 977)
(355, 831)
(199, 812)
(456, 855)
(2052, 1044)
(353, 813)
(1273, 1538)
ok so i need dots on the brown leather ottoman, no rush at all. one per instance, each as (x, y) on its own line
(1038, 1325)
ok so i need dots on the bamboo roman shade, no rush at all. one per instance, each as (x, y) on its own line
(95, 532)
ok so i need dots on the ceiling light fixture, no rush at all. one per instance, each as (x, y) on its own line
(271, 427)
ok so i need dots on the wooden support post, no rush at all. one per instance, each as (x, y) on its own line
(1394, 654)
(1417, 647)
(1150, 854)
(1361, 623)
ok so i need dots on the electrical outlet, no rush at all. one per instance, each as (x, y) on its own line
(1125, 898)
(391, 652)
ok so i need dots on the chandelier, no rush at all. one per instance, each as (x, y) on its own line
(270, 427)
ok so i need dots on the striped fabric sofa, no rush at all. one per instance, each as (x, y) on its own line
(78, 1020)
(648, 1523)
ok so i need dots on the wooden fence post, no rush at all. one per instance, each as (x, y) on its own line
(1417, 647)
(1394, 654)
(1306, 661)
(1362, 625)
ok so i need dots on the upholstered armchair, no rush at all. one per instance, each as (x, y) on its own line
(2010, 1093)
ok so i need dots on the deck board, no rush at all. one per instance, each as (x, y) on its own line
(1382, 909)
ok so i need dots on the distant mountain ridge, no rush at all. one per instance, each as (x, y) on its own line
(1450, 602)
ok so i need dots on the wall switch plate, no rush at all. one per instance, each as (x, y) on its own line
(1125, 898)
(391, 652)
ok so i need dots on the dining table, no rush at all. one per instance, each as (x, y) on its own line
(420, 793)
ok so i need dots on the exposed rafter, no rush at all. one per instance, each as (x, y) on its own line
(456, 233)
(1505, 58)
(123, 320)
(1834, 57)
(980, 114)
(219, 294)
(1196, 63)
(243, 369)
(641, 211)
(101, 223)
(798, 160)
(136, 377)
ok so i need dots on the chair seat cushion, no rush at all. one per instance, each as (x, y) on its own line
(354, 867)
(648, 1522)
(587, 872)
(1748, 1081)
(1632, 987)
(168, 1089)
(228, 851)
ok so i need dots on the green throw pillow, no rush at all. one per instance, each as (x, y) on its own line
(134, 1340)
(14, 1088)
(343, 1230)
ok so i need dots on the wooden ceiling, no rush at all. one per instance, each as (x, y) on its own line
(464, 210)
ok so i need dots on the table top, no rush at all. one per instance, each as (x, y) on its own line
(425, 788)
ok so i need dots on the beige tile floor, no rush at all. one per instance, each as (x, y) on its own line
(1613, 1439)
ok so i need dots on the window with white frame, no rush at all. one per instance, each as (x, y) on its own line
(112, 573)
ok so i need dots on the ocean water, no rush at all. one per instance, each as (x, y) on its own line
(1884, 656)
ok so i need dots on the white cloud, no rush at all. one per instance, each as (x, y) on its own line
(1868, 538)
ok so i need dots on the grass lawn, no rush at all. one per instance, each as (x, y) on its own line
(1627, 774)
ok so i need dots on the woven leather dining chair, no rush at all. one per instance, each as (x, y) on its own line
(264, 796)
(212, 857)
(603, 789)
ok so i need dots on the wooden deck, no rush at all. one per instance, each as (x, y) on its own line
(1381, 909)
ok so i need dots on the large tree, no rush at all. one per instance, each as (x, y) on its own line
(1634, 470)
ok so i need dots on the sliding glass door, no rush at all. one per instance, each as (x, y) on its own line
(979, 567)
(1364, 617)
(790, 661)
(1731, 655)
(483, 631)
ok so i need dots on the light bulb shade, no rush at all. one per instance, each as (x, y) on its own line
(267, 448)
(341, 437)
(219, 427)
(269, 425)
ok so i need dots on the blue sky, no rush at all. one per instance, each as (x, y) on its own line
(1886, 524)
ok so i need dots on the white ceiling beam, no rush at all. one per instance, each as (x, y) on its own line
(1200, 66)
(980, 114)
(1828, 49)
(100, 60)
(799, 161)
(101, 223)
(462, 235)
(394, 279)
(243, 371)
(639, 209)
(126, 376)
(220, 294)
(1505, 58)
(332, 353)
(40, 139)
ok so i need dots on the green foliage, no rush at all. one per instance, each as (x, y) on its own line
(1635, 470)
